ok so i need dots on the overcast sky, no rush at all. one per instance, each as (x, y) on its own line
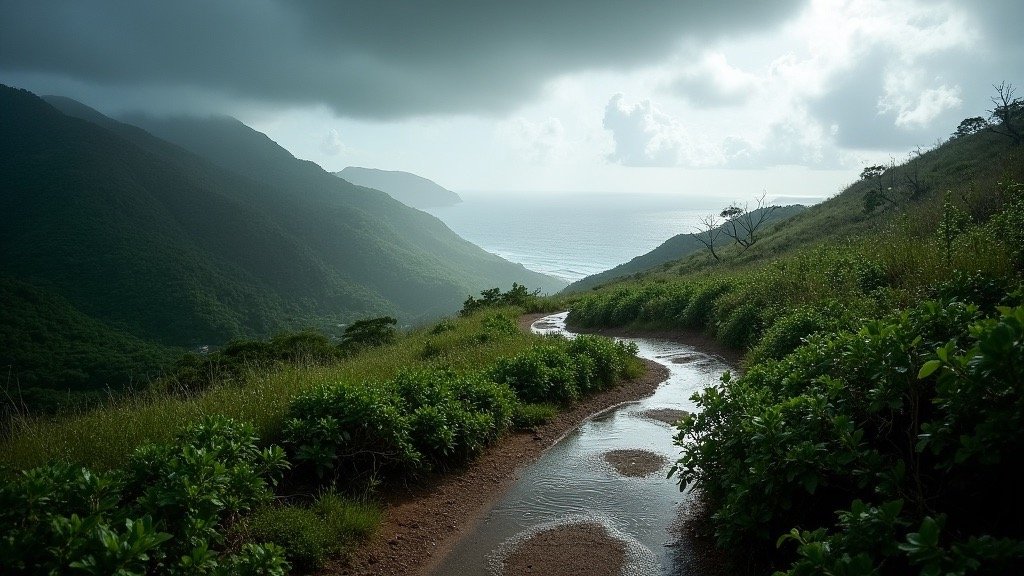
(704, 99)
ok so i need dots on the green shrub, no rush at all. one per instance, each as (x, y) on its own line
(420, 419)
(528, 416)
(912, 418)
(194, 373)
(791, 330)
(609, 360)
(162, 515)
(354, 429)
(367, 333)
(310, 535)
(700, 309)
(518, 296)
(442, 327)
(544, 373)
(742, 327)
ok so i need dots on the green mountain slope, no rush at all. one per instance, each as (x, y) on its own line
(407, 188)
(60, 347)
(145, 240)
(409, 257)
(673, 249)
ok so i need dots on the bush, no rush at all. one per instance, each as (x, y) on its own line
(311, 534)
(528, 416)
(421, 419)
(517, 296)
(912, 419)
(163, 515)
(367, 333)
(791, 330)
(194, 373)
(544, 373)
(354, 429)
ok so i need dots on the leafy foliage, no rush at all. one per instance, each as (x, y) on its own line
(518, 295)
(161, 515)
(370, 332)
(310, 535)
(139, 245)
(434, 418)
(906, 423)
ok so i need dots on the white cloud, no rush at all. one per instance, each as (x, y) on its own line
(535, 142)
(914, 107)
(331, 143)
(643, 134)
(793, 141)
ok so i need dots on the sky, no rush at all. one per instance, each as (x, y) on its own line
(712, 101)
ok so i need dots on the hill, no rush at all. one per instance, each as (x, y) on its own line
(873, 425)
(152, 241)
(407, 188)
(673, 249)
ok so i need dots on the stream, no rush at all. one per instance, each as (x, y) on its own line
(571, 482)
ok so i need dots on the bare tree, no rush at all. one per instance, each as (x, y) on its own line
(708, 233)
(742, 223)
(1007, 107)
(912, 174)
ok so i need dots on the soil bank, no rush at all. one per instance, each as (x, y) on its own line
(424, 519)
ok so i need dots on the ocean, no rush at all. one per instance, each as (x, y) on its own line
(569, 235)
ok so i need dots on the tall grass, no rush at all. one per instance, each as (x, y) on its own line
(904, 261)
(103, 438)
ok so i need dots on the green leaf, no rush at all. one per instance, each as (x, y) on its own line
(928, 368)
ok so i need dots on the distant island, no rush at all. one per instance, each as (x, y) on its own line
(407, 188)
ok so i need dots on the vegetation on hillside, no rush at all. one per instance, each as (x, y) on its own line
(145, 249)
(182, 480)
(874, 427)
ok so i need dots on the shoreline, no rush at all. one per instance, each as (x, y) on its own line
(425, 519)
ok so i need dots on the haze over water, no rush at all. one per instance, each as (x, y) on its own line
(570, 235)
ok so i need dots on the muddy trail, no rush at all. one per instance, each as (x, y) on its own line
(510, 511)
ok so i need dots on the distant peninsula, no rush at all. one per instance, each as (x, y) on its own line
(407, 188)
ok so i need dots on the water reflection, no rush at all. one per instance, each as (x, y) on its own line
(572, 481)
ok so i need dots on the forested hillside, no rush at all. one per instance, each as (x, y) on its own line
(163, 247)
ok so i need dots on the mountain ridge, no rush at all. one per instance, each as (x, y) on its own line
(408, 188)
(152, 239)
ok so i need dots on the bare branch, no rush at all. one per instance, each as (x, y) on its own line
(708, 233)
(1007, 107)
(744, 224)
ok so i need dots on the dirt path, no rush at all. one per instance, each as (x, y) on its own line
(422, 522)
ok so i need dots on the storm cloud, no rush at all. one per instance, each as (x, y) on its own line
(380, 60)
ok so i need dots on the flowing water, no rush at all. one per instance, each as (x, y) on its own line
(571, 482)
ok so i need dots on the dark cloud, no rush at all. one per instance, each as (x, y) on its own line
(381, 59)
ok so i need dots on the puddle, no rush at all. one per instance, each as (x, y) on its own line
(572, 482)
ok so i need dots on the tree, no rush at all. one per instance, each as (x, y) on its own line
(970, 126)
(912, 174)
(1007, 108)
(879, 193)
(370, 332)
(708, 233)
(742, 223)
